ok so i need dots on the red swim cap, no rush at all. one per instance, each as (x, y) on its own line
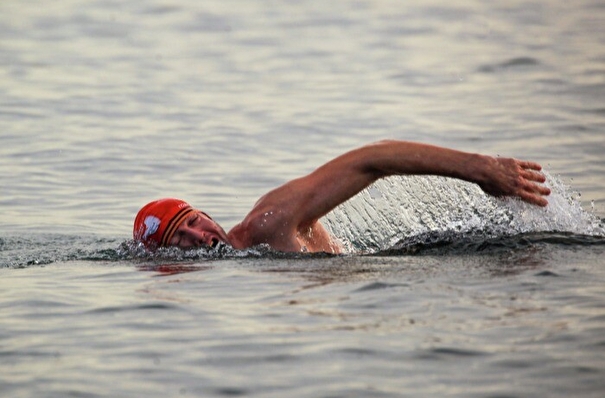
(157, 221)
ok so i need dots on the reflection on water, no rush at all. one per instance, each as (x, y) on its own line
(172, 269)
(314, 321)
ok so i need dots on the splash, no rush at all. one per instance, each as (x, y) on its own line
(398, 214)
(405, 210)
(45, 249)
(136, 251)
(41, 250)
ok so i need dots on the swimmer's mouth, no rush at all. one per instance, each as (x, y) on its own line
(214, 242)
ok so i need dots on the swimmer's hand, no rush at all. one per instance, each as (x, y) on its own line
(512, 177)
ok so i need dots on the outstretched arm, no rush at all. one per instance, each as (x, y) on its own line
(304, 200)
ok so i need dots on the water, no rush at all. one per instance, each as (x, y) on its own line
(444, 292)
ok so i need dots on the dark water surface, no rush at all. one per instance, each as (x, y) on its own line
(105, 105)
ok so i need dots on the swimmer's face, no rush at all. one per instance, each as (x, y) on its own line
(198, 230)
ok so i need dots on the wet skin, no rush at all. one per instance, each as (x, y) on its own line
(287, 218)
(198, 230)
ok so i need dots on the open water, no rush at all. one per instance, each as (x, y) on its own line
(105, 105)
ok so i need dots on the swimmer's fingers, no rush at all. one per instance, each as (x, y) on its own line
(512, 177)
(533, 198)
(534, 193)
(529, 165)
(532, 175)
(542, 190)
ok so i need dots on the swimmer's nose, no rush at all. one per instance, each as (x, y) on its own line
(201, 239)
(197, 238)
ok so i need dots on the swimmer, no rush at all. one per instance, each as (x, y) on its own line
(287, 218)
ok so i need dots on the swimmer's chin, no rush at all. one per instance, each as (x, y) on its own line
(211, 245)
(215, 245)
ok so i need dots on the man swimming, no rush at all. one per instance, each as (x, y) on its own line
(287, 218)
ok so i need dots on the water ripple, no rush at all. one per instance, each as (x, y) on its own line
(508, 64)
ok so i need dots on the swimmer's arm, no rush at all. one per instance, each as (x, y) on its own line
(309, 198)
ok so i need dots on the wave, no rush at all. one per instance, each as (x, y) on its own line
(474, 243)
(17, 252)
(410, 210)
(22, 253)
(44, 249)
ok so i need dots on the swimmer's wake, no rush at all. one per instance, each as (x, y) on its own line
(396, 216)
(400, 213)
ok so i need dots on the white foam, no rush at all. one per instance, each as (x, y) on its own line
(401, 207)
